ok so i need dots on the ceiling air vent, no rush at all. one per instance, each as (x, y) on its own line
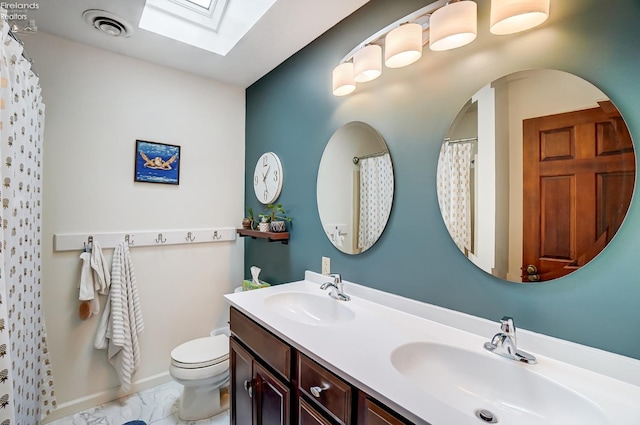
(107, 22)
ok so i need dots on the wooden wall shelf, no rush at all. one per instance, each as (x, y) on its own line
(282, 237)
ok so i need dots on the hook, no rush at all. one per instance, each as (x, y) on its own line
(216, 236)
(160, 239)
(128, 239)
(190, 237)
(88, 245)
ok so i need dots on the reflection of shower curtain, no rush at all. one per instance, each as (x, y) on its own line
(26, 385)
(376, 195)
(454, 193)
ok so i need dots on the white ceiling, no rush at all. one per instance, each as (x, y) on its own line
(286, 28)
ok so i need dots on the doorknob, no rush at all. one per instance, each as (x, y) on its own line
(532, 273)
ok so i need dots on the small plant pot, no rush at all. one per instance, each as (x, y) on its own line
(278, 226)
(264, 227)
(246, 223)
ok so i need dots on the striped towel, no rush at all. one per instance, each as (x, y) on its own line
(121, 321)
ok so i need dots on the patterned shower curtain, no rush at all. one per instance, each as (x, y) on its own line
(26, 383)
(376, 195)
(454, 192)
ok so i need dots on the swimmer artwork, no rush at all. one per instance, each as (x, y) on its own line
(157, 162)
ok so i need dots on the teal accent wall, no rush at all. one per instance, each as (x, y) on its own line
(292, 112)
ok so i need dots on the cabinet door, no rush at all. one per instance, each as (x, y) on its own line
(273, 399)
(241, 384)
(370, 413)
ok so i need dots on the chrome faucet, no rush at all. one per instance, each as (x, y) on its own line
(505, 344)
(336, 288)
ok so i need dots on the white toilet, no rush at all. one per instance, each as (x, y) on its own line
(202, 366)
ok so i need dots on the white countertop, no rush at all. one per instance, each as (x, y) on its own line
(360, 350)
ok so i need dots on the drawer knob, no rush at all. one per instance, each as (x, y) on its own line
(315, 391)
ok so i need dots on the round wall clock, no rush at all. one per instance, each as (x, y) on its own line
(267, 178)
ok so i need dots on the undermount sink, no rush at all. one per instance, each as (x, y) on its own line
(310, 309)
(484, 384)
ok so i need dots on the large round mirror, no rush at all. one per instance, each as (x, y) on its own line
(535, 175)
(355, 187)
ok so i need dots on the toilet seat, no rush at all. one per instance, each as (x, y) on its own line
(201, 352)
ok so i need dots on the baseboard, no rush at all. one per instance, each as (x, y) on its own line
(96, 399)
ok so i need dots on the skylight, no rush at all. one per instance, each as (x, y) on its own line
(212, 25)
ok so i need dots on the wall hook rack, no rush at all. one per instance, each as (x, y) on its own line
(78, 241)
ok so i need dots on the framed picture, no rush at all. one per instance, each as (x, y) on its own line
(157, 163)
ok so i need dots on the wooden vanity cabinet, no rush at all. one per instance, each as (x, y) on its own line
(257, 396)
(274, 384)
(260, 367)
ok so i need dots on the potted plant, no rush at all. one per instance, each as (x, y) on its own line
(249, 222)
(276, 216)
(264, 225)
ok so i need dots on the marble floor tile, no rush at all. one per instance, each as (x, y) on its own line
(155, 406)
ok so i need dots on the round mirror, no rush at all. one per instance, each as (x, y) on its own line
(355, 187)
(535, 175)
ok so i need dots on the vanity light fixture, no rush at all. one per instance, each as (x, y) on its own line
(443, 24)
(512, 16)
(343, 82)
(454, 25)
(367, 63)
(403, 45)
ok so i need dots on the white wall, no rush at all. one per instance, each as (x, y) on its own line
(97, 104)
(486, 171)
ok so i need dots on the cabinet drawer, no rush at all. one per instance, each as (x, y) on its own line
(307, 415)
(324, 389)
(372, 413)
(267, 346)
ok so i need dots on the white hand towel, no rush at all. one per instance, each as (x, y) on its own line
(102, 276)
(86, 285)
(337, 237)
(95, 277)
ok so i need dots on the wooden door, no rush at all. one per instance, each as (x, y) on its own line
(579, 174)
(273, 398)
(241, 365)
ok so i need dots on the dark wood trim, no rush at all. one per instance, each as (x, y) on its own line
(282, 237)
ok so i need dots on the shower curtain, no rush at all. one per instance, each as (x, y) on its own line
(376, 195)
(26, 383)
(454, 192)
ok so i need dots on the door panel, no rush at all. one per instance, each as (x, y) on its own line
(241, 384)
(274, 398)
(579, 175)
